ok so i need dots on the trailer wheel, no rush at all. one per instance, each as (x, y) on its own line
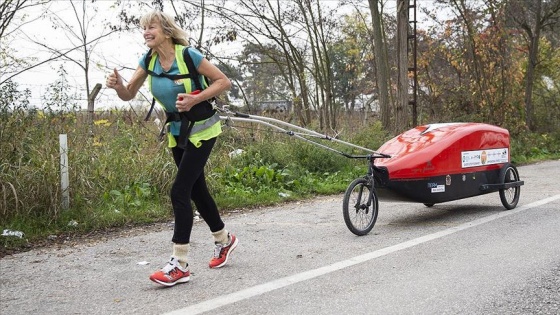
(360, 206)
(509, 196)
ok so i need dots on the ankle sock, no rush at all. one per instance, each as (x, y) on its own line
(221, 236)
(180, 251)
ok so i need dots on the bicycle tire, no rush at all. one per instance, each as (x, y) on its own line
(359, 210)
(509, 197)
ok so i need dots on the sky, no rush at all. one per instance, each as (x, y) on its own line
(119, 50)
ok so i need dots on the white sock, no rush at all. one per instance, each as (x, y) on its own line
(180, 251)
(221, 237)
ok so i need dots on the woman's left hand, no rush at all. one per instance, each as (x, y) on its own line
(185, 102)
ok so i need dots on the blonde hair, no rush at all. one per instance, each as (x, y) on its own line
(168, 25)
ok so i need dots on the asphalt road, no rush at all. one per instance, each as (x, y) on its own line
(463, 257)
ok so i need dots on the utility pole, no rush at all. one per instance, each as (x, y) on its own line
(401, 112)
(413, 54)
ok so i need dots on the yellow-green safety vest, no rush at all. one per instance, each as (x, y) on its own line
(202, 130)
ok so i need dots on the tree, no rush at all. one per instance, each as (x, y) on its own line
(533, 17)
(13, 15)
(9, 9)
(472, 65)
(57, 96)
(546, 89)
(263, 79)
(297, 29)
(79, 36)
(319, 26)
(382, 63)
(352, 61)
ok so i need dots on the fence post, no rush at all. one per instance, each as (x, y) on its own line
(64, 183)
(91, 102)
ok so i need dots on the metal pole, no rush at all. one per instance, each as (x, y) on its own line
(414, 68)
(64, 182)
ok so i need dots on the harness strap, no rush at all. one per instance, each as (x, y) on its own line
(192, 69)
(173, 77)
(151, 109)
(187, 127)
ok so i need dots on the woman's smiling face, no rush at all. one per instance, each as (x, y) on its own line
(153, 34)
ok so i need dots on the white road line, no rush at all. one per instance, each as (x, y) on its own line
(250, 292)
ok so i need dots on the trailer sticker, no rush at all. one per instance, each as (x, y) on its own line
(438, 189)
(484, 157)
(448, 180)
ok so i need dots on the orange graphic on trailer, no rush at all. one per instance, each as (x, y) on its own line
(483, 157)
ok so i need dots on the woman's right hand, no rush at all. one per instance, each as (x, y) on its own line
(114, 80)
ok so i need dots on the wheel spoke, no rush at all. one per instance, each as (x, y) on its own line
(360, 206)
(509, 196)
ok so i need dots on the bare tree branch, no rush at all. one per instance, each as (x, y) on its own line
(57, 54)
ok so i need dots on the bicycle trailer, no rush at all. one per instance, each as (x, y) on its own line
(442, 162)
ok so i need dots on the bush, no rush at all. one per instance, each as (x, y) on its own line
(529, 147)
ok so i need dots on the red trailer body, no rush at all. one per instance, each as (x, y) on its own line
(442, 162)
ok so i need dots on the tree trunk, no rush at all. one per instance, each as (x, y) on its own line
(382, 61)
(534, 36)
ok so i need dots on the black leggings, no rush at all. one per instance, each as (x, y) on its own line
(190, 184)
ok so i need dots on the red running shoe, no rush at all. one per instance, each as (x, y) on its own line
(221, 252)
(171, 274)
